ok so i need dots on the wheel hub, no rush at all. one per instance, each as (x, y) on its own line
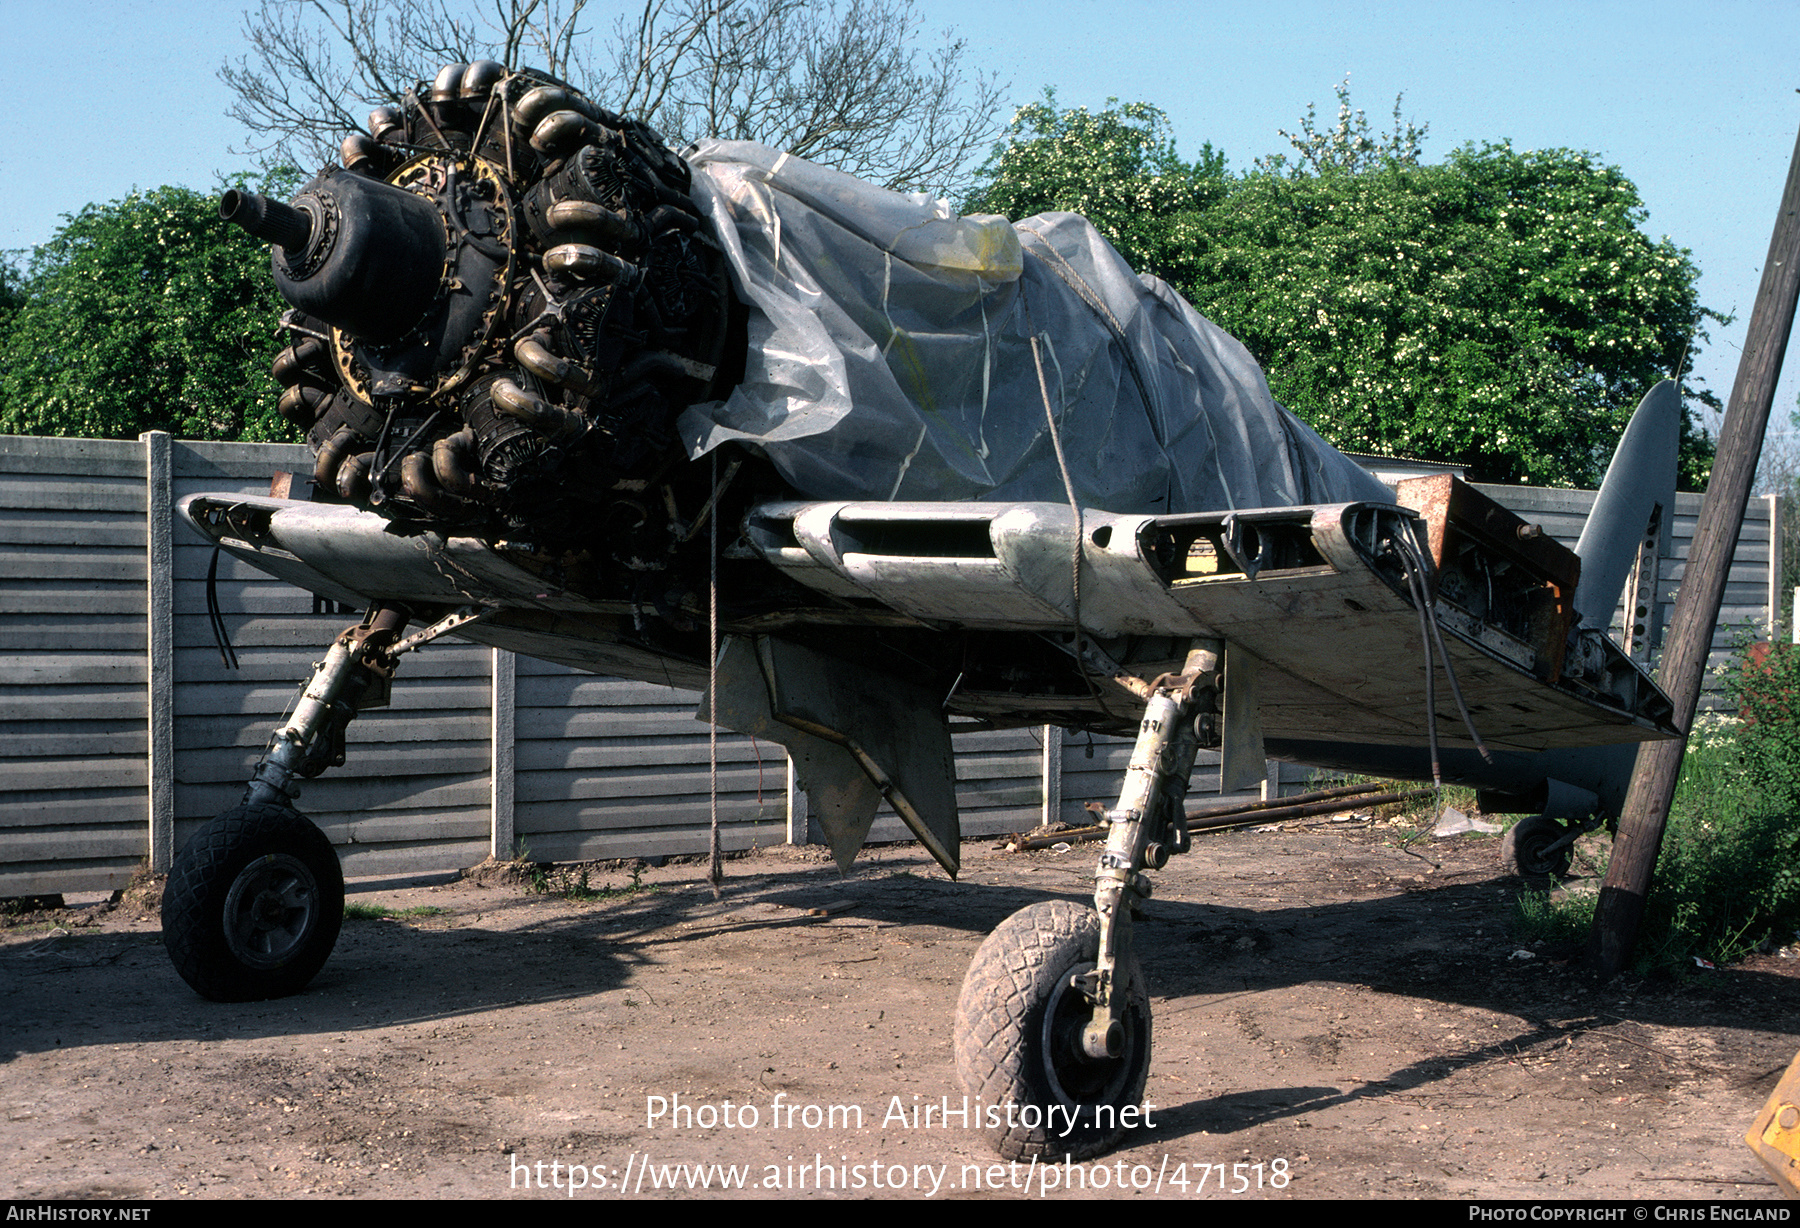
(1075, 1077)
(270, 910)
(1537, 860)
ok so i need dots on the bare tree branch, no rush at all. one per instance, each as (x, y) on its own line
(848, 83)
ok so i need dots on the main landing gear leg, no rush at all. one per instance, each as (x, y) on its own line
(255, 899)
(1053, 1024)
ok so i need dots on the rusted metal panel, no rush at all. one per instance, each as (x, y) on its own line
(1745, 607)
(1471, 536)
(1449, 505)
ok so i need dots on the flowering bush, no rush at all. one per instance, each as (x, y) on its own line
(1764, 683)
(1728, 877)
(147, 313)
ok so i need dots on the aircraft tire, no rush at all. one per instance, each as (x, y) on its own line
(1525, 848)
(1018, 1038)
(253, 905)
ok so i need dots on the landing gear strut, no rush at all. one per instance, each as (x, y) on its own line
(255, 899)
(1053, 1023)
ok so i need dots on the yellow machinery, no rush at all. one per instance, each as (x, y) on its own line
(1775, 1138)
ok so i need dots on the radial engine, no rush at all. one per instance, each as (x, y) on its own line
(501, 301)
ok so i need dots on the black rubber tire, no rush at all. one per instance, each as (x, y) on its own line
(1525, 849)
(1018, 1027)
(253, 905)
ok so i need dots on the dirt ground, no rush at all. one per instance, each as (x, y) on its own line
(1335, 1016)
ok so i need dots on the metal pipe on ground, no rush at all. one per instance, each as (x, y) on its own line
(1301, 805)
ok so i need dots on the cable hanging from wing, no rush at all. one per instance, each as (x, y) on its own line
(215, 616)
(1430, 634)
(715, 873)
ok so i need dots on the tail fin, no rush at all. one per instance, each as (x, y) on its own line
(1639, 482)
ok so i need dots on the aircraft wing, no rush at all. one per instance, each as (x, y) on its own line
(1312, 594)
(856, 631)
(1309, 592)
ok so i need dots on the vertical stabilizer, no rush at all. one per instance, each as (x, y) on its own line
(1639, 482)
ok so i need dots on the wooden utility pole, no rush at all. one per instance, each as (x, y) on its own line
(1621, 905)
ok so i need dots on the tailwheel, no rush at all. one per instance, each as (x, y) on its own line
(1537, 848)
(1019, 1050)
(253, 905)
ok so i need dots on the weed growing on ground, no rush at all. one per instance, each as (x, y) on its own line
(1541, 917)
(576, 883)
(1728, 875)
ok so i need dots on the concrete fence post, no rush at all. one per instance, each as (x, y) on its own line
(1776, 530)
(1053, 747)
(505, 677)
(159, 648)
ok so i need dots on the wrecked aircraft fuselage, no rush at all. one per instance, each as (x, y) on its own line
(573, 395)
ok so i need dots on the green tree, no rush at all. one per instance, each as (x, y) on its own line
(12, 286)
(1117, 168)
(147, 313)
(1502, 309)
(1348, 145)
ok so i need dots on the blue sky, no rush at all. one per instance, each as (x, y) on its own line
(1696, 103)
